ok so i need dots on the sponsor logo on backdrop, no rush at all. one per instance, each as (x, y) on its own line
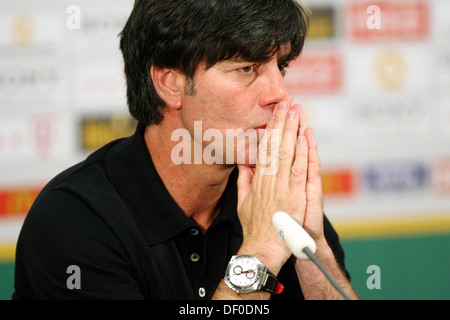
(92, 31)
(35, 32)
(98, 131)
(99, 83)
(17, 79)
(315, 72)
(109, 22)
(36, 136)
(386, 69)
(398, 20)
(43, 134)
(409, 113)
(396, 177)
(390, 69)
(22, 29)
(338, 182)
(440, 177)
(322, 24)
(29, 84)
(92, 26)
(17, 201)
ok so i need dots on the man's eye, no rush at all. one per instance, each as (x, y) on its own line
(247, 69)
(283, 66)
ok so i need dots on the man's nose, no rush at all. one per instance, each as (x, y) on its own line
(274, 89)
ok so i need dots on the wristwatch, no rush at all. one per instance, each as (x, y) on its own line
(247, 274)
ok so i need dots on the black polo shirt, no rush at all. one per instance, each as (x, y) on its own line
(108, 228)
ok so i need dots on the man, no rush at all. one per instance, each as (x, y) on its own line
(131, 223)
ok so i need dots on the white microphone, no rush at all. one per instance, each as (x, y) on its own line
(296, 238)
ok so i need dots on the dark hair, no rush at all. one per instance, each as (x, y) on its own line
(182, 34)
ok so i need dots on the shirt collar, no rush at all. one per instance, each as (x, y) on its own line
(132, 173)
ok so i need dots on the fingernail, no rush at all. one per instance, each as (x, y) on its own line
(282, 105)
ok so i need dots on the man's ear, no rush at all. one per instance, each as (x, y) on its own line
(169, 85)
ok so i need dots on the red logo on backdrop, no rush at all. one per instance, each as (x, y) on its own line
(339, 182)
(398, 20)
(441, 177)
(43, 134)
(315, 71)
(17, 201)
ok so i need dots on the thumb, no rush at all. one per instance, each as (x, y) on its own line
(244, 182)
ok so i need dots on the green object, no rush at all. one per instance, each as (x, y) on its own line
(6, 280)
(411, 268)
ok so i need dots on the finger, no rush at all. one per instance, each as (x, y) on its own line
(314, 165)
(279, 115)
(262, 144)
(299, 171)
(287, 147)
(270, 143)
(314, 194)
(303, 122)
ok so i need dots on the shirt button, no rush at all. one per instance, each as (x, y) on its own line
(202, 292)
(195, 257)
(193, 232)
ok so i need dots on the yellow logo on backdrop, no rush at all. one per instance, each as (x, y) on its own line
(322, 23)
(390, 70)
(22, 29)
(96, 132)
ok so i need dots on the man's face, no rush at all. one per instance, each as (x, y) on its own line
(236, 94)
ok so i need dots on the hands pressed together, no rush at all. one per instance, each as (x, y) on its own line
(286, 178)
(293, 187)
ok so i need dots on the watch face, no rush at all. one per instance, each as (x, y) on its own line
(243, 272)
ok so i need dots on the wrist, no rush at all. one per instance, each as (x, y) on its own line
(272, 258)
(314, 283)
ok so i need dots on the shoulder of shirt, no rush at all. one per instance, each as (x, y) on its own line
(86, 185)
(95, 160)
